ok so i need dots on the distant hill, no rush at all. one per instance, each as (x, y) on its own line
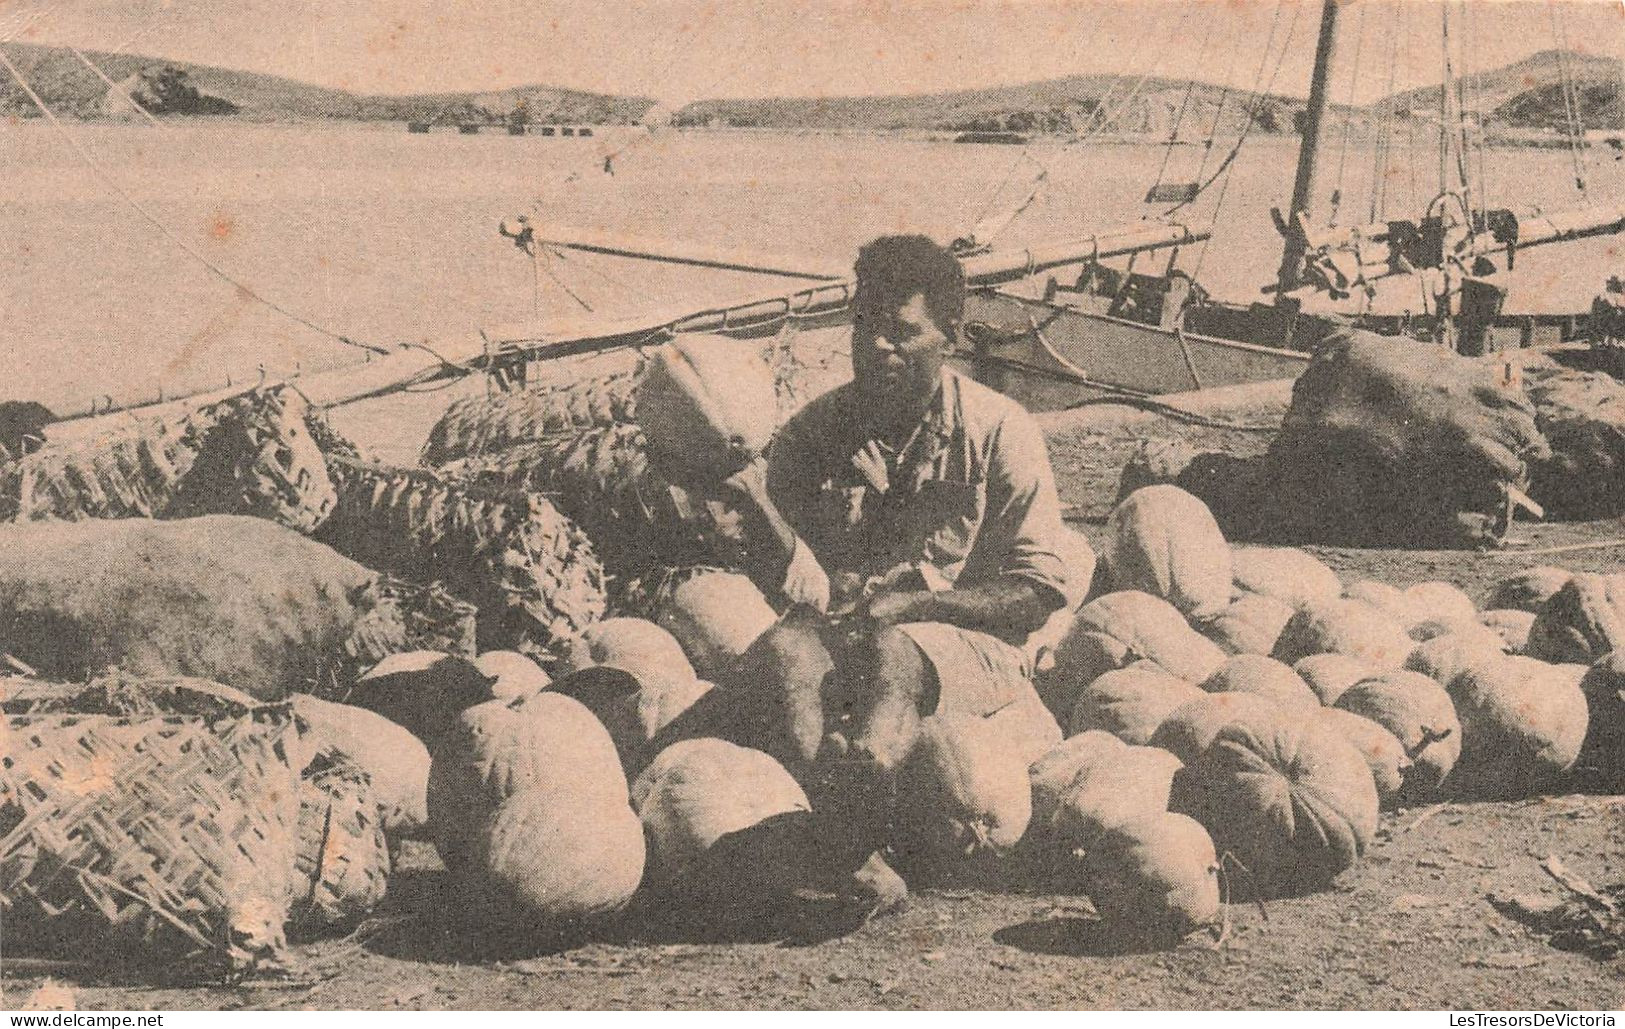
(1528, 94)
(1074, 104)
(72, 89)
(1525, 95)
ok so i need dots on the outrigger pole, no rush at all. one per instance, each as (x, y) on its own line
(412, 366)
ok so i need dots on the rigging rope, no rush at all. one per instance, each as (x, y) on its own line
(1382, 153)
(1571, 100)
(169, 233)
(1184, 105)
(113, 86)
(1259, 98)
(1218, 112)
(1348, 116)
(1099, 122)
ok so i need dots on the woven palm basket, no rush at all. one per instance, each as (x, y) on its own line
(342, 859)
(158, 823)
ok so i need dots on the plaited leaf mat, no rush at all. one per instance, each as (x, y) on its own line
(341, 859)
(152, 838)
(408, 616)
(228, 598)
(248, 454)
(603, 480)
(531, 572)
(495, 421)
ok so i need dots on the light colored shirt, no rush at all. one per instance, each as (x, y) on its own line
(967, 498)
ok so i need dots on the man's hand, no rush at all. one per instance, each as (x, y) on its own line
(805, 581)
(909, 606)
(750, 482)
(871, 464)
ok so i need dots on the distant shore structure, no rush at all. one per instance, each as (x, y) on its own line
(475, 128)
(991, 137)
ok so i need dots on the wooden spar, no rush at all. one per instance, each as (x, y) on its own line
(731, 259)
(414, 366)
(1314, 129)
(1000, 266)
(981, 270)
(1374, 259)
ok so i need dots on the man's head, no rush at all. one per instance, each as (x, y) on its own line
(909, 300)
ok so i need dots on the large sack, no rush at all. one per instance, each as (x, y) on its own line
(1191, 727)
(1383, 752)
(1389, 443)
(558, 855)
(1582, 621)
(1603, 753)
(642, 649)
(1419, 713)
(716, 616)
(960, 794)
(634, 676)
(1250, 625)
(1156, 877)
(1330, 674)
(423, 691)
(1130, 702)
(512, 674)
(1511, 626)
(1118, 629)
(234, 599)
(1523, 724)
(1164, 542)
(1290, 575)
(541, 744)
(1290, 798)
(1440, 602)
(1133, 784)
(1582, 415)
(1390, 600)
(1444, 658)
(1529, 589)
(700, 792)
(1263, 676)
(707, 406)
(1349, 627)
(1053, 774)
(395, 761)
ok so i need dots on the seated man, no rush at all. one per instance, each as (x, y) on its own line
(912, 515)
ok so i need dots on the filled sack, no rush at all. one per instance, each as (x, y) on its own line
(234, 599)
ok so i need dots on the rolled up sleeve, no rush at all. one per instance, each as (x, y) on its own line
(1022, 534)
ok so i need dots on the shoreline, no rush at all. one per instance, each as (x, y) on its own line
(1515, 139)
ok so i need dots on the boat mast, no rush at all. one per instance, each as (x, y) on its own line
(1314, 129)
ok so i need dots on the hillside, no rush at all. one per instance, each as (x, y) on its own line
(1528, 94)
(1069, 105)
(73, 90)
(1525, 95)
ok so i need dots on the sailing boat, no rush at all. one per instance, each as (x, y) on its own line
(1052, 325)
(1053, 346)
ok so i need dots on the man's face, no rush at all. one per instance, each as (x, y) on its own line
(897, 353)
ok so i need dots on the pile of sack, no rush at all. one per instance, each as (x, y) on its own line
(1252, 691)
(1389, 441)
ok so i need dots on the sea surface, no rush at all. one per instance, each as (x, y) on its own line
(385, 236)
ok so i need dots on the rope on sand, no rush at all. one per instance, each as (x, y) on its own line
(1566, 548)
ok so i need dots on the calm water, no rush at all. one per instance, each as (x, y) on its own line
(386, 236)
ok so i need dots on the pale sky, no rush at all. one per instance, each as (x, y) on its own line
(680, 50)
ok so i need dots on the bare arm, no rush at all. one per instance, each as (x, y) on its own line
(1007, 606)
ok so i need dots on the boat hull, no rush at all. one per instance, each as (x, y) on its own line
(1052, 356)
